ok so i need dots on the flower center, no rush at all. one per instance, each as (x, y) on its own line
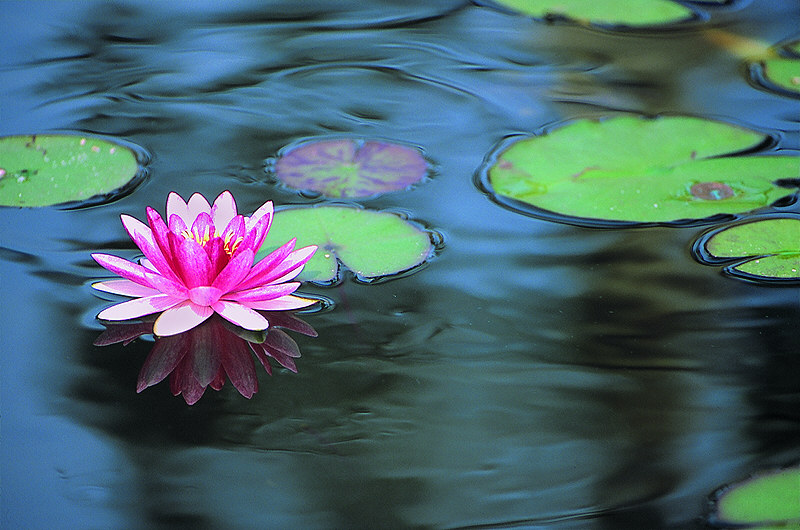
(229, 240)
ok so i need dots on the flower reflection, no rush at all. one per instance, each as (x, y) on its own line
(212, 352)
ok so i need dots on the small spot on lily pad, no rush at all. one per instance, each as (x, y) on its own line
(765, 249)
(631, 13)
(49, 169)
(372, 244)
(769, 500)
(349, 168)
(630, 170)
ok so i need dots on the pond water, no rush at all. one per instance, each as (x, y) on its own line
(533, 374)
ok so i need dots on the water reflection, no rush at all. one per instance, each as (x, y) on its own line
(209, 354)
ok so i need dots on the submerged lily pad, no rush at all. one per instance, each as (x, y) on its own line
(770, 500)
(350, 168)
(605, 12)
(371, 244)
(632, 170)
(768, 249)
(47, 169)
(783, 72)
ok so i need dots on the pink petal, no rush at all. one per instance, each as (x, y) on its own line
(224, 209)
(139, 307)
(234, 232)
(177, 206)
(197, 205)
(265, 266)
(122, 267)
(260, 294)
(234, 272)
(177, 225)
(265, 209)
(293, 262)
(160, 236)
(284, 303)
(256, 233)
(143, 236)
(125, 287)
(180, 318)
(191, 261)
(217, 255)
(241, 316)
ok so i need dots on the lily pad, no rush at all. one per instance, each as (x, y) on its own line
(783, 73)
(370, 243)
(349, 167)
(769, 500)
(629, 170)
(632, 13)
(765, 249)
(47, 169)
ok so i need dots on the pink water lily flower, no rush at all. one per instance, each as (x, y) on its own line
(201, 261)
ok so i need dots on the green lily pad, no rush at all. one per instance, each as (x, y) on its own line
(770, 500)
(783, 72)
(632, 170)
(606, 12)
(768, 249)
(47, 169)
(350, 168)
(371, 244)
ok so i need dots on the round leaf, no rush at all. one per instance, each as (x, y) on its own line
(371, 244)
(47, 169)
(350, 168)
(768, 500)
(771, 247)
(606, 12)
(633, 170)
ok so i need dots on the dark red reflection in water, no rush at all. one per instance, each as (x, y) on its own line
(209, 354)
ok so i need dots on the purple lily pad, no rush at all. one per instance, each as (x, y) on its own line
(350, 167)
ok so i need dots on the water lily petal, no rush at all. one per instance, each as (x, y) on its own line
(284, 303)
(122, 267)
(223, 209)
(197, 205)
(177, 225)
(260, 294)
(293, 263)
(177, 206)
(233, 234)
(125, 287)
(145, 239)
(217, 255)
(203, 228)
(160, 236)
(261, 356)
(241, 315)
(234, 272)
(267, 264)
(191, 261)
(139, 307)
(180, 318)
(256, 233)
(265, 210)
(278, 340)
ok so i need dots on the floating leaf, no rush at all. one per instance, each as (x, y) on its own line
(47, 169)
(629, 169)
(783, 72)
(770, 248)
(605, 12)
(350, 168)
(770, 500)
(371, 244)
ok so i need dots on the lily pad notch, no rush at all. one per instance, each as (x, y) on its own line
(636, 171)
(68, 170)
(373, 245)
(348, 167)
(763, 249)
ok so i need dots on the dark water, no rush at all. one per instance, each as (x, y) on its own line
(534, 374)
